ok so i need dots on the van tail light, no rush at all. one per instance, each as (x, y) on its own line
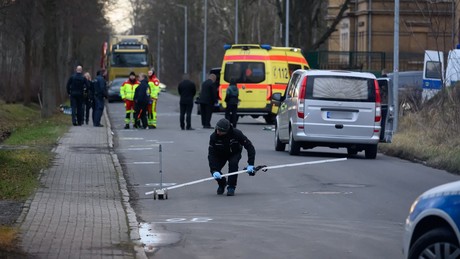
(269, 92)
(301, 99)
(378, 107)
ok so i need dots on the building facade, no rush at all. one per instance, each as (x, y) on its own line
(367, 30)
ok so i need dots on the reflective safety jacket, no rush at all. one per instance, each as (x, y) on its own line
(154, 84)
(127, 89)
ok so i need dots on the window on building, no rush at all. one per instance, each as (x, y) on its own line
(361, 41)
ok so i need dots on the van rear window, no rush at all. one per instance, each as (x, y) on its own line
(340, 88)
(245, 72)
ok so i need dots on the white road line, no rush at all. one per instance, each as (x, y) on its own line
(140, 163)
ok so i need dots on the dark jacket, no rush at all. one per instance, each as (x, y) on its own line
(142, 93)
(208, 93)
(100, 89)
(232, 94)
(77, 85)
(187, 91)
(228, 145)
(90, 90)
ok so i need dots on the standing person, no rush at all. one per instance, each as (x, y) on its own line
(89, 97)
(76, 86)
(154, 84)
(141, 100)
(100, 92)
(231, 99)
(127, 95)
(187, 91)
(208, 97)
(226, 144)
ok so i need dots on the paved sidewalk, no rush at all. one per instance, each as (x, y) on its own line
(81, 209)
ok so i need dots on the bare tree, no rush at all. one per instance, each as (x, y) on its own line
(49, 80)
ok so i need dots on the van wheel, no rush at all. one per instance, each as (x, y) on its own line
(371, 151)
(279, 146)
(270, 119)
(294, 147)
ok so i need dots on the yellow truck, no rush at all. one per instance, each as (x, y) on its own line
(259, 71)
(125, 53)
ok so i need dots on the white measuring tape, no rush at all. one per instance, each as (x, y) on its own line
(244, 171)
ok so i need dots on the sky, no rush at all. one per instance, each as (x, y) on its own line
(118, 15)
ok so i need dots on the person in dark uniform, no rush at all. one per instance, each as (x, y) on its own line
(225, 145)
(231, 100)
(76, 87)
(89, 97)
(141, 100)
(208, 97)
(187, 90)
(100, 92)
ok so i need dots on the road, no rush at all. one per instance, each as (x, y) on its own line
(350, 209)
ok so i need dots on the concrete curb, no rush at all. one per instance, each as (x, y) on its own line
(130, 214)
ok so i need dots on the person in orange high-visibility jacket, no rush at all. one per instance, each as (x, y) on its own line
(154, 84)
(127, 95)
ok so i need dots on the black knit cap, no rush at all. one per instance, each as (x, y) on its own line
(132, 73)
(223, 125)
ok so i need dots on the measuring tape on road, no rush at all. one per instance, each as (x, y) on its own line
(263, 168)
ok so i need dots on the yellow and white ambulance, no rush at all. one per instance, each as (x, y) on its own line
(258, 71)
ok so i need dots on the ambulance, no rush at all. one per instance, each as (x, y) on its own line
(258, 71)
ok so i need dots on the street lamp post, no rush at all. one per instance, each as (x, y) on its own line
(158, 49)
(286, 43)
(185, 37)
(236, 21)
(396, 65)
(205, 37)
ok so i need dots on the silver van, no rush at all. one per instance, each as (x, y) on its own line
(336, 109)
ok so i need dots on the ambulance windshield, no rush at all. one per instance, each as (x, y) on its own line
(245, 72)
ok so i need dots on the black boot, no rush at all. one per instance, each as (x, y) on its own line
(230, 191)
(127, 126)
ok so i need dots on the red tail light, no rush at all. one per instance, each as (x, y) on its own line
(269, 92)
(378, 107)
(301, 99)
(219, 93)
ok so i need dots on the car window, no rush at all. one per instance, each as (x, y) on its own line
(245, 72)
(129, 59)
(293, 67)
(291, 85)
(340, 88)
(433, 69)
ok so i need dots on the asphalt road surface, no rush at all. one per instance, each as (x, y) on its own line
(349, 209)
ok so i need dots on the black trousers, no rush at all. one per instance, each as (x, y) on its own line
(231, 115)
(186, 114)
(76, 102)
(89, 104)
(140, 114)
(232, 167)
(98, 109)
(206, 114)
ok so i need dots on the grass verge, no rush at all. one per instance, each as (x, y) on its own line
(27, 142)
(432, 135)
(29, 150)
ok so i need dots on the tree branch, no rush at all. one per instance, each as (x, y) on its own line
(333, 26)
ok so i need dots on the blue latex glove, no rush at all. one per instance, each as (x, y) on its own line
(217, 175)
(250, 169)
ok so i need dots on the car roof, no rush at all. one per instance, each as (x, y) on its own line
(338, 73)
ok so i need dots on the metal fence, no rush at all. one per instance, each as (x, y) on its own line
(374, 62)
